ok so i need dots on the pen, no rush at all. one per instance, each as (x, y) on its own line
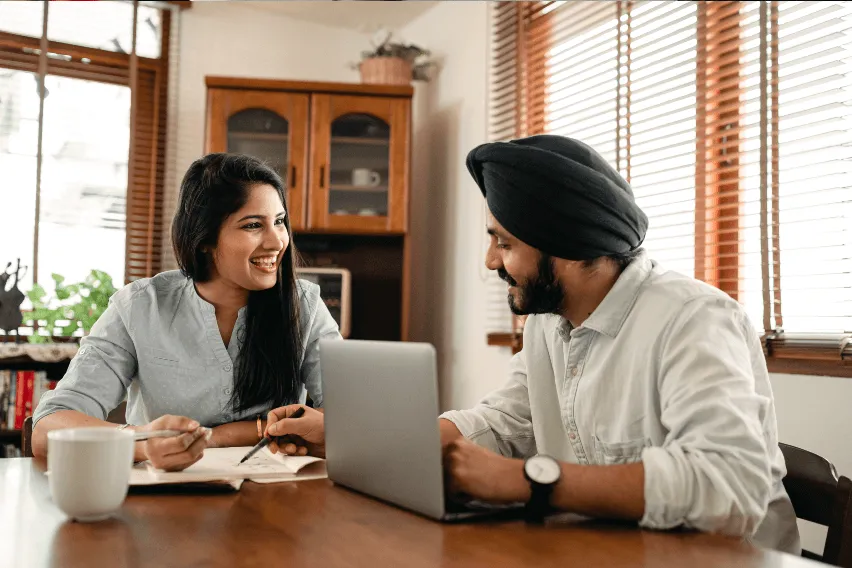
(140, 436)
(267, 440)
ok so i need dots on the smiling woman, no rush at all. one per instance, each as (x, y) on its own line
(226, 339)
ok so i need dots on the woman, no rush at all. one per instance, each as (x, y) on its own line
(209, 349)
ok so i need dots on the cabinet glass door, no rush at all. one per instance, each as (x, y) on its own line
(359, 164)
(267, 125)
(260, 133)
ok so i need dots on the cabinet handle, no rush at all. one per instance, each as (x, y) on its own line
(293, 176)
(322, 176)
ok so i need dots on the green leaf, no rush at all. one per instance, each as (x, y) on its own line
(88, 322)
(102, 277)
(70, 328)
(36, 338)
(36, 295)
(40, 314)
(78, 311)
(58, 278)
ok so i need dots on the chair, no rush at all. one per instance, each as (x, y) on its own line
(27, 438)
(819, 496)
(116, 417)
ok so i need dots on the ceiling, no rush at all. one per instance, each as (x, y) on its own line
(358, 15)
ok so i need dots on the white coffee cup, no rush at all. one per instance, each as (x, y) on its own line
(89, 470)
(365, 178)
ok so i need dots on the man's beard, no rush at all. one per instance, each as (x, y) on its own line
(540, 295)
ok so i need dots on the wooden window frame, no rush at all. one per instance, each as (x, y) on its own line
(718, 191)
(147, 160)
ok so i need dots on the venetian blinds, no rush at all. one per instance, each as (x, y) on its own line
(95, 67)
(731, 121)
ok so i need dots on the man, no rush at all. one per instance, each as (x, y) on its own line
(639, 393)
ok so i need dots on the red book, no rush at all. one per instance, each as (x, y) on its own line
(20, 387)
(29, 391)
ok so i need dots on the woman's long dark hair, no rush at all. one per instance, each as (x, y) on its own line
(214, 187)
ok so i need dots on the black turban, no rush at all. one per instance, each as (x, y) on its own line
(558, 195)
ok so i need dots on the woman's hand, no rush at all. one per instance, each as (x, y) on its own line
(296, 436)
(178, 452)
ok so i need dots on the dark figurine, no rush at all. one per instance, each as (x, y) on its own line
(11, 299)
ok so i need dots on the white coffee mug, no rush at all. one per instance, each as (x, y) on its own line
(89, 470)
(364, 177)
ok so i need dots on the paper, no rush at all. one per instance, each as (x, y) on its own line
(221, 464)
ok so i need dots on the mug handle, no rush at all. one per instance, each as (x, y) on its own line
(375, 179)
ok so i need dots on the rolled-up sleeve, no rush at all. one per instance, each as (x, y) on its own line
(502, 421)
(320, 325)
(713, 471)
(100, 373)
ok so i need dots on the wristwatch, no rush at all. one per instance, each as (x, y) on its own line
(543, 473)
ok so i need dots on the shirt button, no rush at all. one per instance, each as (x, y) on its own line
(573, 371)
(572, 435)
(227, 391)
(226, 368)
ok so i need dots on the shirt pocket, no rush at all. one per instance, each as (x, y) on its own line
(620, 452)
(162, 358)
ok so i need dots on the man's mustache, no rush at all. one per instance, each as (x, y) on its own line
(501, 272)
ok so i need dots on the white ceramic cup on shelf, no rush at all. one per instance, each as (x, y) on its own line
(89, 470)
(363, 177)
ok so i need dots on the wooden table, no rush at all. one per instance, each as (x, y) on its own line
(314, 523)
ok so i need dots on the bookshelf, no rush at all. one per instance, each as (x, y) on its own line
(50, 360)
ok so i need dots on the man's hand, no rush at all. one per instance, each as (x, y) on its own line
(296, 436)
(474, 472)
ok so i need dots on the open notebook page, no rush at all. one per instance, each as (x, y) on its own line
(222, 464)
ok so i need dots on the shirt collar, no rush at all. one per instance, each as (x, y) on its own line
(205, 306)
(611, 313)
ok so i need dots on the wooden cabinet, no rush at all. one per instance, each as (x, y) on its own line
(355, 177)
(271, 126)
(359, 157)
(343, 151)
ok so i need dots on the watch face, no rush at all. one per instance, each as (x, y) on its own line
(542, 469)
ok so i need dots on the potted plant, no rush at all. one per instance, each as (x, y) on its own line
(79, 304)
(394, 63)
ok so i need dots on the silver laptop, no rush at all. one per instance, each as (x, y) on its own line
(381, 425)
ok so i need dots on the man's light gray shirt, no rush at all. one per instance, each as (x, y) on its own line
(667, 371)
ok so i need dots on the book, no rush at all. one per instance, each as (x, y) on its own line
(222, 465)
(29, 392)
(18, 415)
(5, 376)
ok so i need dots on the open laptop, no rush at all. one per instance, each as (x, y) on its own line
(381, 425)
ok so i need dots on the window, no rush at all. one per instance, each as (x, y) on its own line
(731, 121)
(107, 26)
(83, 159)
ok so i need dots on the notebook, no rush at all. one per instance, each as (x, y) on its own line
(220, 465)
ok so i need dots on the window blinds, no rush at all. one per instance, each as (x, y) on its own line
(732, 122)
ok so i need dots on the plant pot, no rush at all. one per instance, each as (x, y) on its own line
(386, 71)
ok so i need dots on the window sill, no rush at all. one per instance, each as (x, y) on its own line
(796, 355)
(800, 354)
(512, 340)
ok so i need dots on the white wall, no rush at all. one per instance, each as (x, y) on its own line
(448, 222)
(814, 414)
(238, 39)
